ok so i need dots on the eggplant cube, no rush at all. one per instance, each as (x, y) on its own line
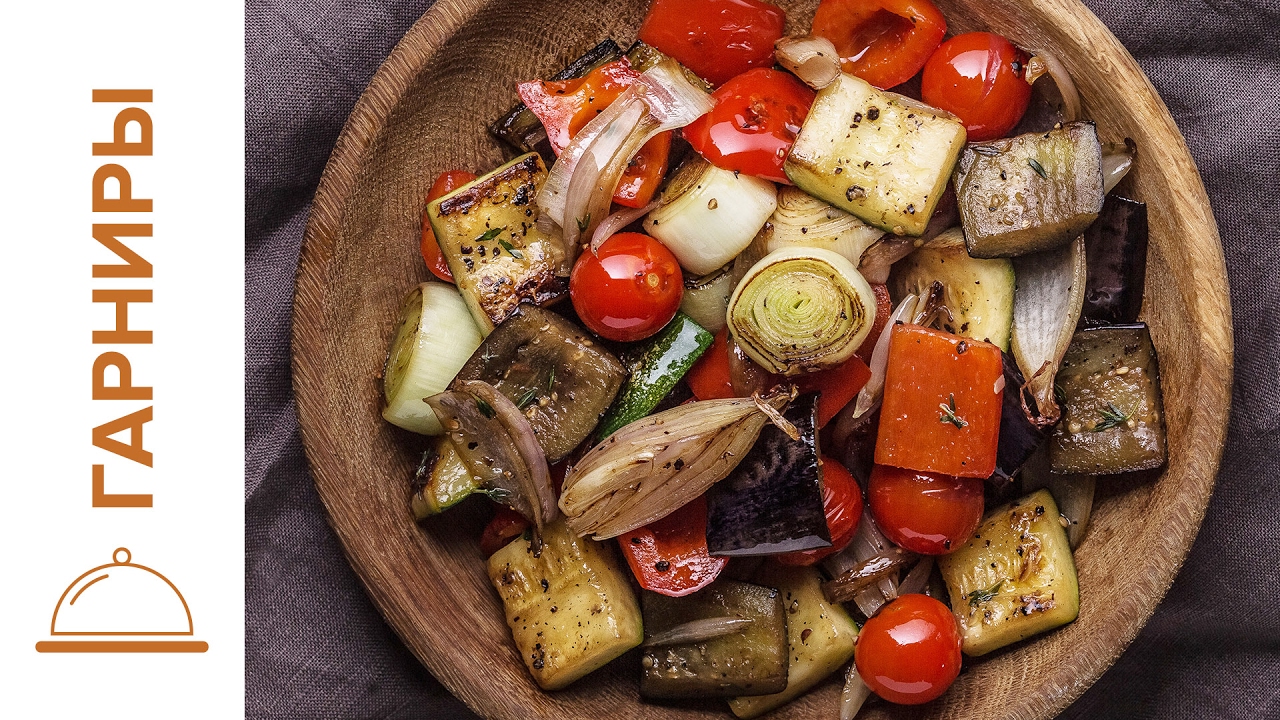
(570, 610)
(750, 661)
(772, 501)
(1014, 578)
(1115, 246)
(1114, 417)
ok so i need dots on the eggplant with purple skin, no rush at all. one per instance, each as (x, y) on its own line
(772, 501)
(1115, 250)
(1019, 436)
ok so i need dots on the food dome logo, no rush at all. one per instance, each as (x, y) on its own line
(122, 607)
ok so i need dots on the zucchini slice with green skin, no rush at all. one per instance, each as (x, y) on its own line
(772, 501)
(553, 371)
(820, 636)
(1014, 578)
(978, 292)
(658, 365)
(487, 232)
(880, 156)
(570, 610)
(750, 661)
(441, 481)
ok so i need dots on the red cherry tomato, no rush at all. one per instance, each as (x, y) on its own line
(884, 42)
(669, 556)
(446, 183)
(909, 653)
(981, 78)
(506, 525)
(754, 123)
(716, 39)
(709, 377)
(629, 290)
(842, 504)
(927, 513)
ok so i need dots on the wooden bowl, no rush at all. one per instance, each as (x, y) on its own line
(426, 111)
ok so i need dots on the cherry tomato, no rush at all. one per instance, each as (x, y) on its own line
(669, 556)
(709, 377)
(981, 78)
(909, 653)
(716, 39)
(927, 513)
(446, 183)
(629, 290)
(842, 504)
(884, 42)
(506, 525)
(754, 123)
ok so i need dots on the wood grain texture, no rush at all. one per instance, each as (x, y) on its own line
(425, 111)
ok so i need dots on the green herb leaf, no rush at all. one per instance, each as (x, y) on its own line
(490, 234)
(1112, 416)
(984, 150)
(977, 597)
(949, 413)
(1059, 394)
(529, 396)
(514, 252)
(551, 380)
(584, 223)
(1035, 165)
(486, 409)
(498, 495)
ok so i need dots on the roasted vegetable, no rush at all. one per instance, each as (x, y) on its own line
(432, 340)
(643, 57)
(942, 403)
(802, 219)
(1019, 437)
(706, 298)
(1046, 308)
(772, 501)
(571, 610)
(656, 367)
(882, 156)
(487, 232)
(1029, 193)
(1115, 250)
(555, 374)
(1015, 578)
(669, 556)
(1114, 420)
(801, 310)
(978, 293)
(750, 661)
(522, 130)
(820, 636)
(441, 481)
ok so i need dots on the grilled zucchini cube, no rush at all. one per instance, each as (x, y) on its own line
(486, 231)
(571, 610)
(1031, 192)
(442, 480)
(1114, 416)
(820, 636)
(1014, 578)
(882, 157)
(751, 661)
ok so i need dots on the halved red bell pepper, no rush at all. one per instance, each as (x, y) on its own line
(836, 386)
(942, 400)
(670, 556)
(566, 106)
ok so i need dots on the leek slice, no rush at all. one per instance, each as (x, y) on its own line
(801, 310)
(804, 220)
(435, 337)
(707, 215)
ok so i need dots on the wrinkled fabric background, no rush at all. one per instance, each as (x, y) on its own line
(315, 646)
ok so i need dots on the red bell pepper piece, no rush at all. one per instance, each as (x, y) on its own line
(506, 525)
(942, 400)
(709, 377)
(837, 386)
(566, 106)
(884, 308)
(670, 556)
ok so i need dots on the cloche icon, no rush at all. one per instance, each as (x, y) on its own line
(122, 607)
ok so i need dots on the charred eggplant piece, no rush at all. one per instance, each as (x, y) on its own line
(772, 501)
(750, 661)
(555, 374)
(523, 131)
(1019, 436)
(1029, 193)
(1115, 249)
(1114, 419)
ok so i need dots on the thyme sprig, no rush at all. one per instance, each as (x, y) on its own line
(490, 234)
(977, 597)
(514, 252)
(949, 413)
(1112, 416)
(1035, 165)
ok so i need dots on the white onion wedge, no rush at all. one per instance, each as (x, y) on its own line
(811, 58)
(1046, 307)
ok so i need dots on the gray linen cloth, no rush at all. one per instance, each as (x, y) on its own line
(315, 646)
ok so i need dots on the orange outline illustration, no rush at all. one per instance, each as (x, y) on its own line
(119, 646)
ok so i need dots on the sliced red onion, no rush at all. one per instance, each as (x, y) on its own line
(745, 375)
(699, 630)
(812, 59)
(616, 222)
(1042, 62)
(869, 395)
